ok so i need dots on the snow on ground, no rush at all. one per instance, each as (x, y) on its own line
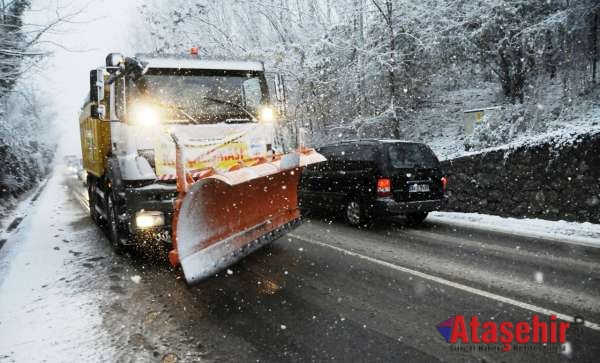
(560, 132)
(587, 234)
(547, 116)
(47, 311)
(13, 208)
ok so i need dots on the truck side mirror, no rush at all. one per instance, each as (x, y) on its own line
(96, 85)
(97, 93)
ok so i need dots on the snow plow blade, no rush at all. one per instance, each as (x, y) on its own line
(225, 217)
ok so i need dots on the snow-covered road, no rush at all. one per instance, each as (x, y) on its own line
(48, 308)
(326, 291)
(585, 234)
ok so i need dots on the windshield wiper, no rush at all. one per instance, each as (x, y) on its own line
(187, 115)
(238, 106)
(179, 110)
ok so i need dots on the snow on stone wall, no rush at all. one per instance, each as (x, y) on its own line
(550, 180)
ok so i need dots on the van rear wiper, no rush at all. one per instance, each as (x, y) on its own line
(236, 105)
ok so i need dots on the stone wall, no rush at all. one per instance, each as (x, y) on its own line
(550, 180)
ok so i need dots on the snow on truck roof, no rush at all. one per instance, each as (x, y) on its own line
(198, 63)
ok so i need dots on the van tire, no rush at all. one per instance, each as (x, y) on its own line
(354, 214)
(416, 218)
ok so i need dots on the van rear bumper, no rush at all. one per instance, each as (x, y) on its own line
(389, 206)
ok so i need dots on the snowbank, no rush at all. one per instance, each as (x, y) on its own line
(586, 234)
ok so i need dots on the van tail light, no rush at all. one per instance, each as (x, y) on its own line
(444, 183)
(384, 188)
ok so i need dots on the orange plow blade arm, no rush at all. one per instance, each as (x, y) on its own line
(225, 217)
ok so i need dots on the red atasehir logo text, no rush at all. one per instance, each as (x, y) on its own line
(459, 329)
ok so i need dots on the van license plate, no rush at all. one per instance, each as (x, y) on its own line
(418, 188)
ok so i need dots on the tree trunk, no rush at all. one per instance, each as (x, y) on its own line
(391, 71)
(360, 46)
(2, 13)
(594, 45)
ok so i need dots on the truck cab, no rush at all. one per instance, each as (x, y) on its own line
(139, 108)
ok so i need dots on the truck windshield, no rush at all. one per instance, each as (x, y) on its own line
(407, 156)
(208, 96)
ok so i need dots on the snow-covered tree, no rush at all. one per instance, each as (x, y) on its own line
(25, 152)
(365, 67)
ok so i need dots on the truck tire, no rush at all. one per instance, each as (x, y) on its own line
(114, 231)
(92, 200)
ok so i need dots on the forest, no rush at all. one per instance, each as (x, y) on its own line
(354, 68)
(26, 149)
(402, 68)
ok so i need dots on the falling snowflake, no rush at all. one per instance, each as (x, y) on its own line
(568, 349)
(136, 279)
(539, 277)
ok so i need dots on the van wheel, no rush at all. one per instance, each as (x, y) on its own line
(416, 218)
(113, 229)
(355, 214)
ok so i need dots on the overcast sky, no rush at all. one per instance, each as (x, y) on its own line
(102, 27)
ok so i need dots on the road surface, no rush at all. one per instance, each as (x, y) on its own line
(325, 292)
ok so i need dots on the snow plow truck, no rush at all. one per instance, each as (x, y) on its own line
(182, 149)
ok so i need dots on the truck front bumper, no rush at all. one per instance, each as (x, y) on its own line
(150, 199)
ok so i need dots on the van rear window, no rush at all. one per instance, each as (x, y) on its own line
(403, 155)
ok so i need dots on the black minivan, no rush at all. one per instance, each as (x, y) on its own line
(368, 178)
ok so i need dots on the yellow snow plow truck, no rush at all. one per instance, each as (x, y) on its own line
(182, 149)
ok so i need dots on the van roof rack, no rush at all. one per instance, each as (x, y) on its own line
(366, 140)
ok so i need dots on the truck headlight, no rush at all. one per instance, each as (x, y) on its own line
(145, 115)
(266, 115)
(149, 219)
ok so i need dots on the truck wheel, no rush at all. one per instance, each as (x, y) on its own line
(92, 202)
(416, 218)
(355, 214)
(113, 228)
